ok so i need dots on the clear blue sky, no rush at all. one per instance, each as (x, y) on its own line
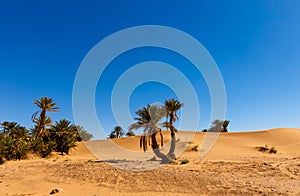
(256, 45)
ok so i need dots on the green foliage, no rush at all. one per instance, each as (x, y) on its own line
(118, 131)
(112, 135)
(148, 119)
(16, 141)
(130, 133)
(13, 149)
(13, 141)
(83, 135)
(173, 163)
(40, 147)
(184, 161)
(43, 122)
(64, 135)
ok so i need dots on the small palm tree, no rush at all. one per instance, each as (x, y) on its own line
(148, 120)
(112, 135)
(43, 121)
(118, 131)
(172, 106)
(82, 134)
(130, 133)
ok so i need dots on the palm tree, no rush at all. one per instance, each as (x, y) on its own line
(82, 134)
(130, 133)
(64, 135)
(14, 130)
(118, 131)
(112, 135)
(7, 126)
(172, 106)
(43, 121)
(148, 120)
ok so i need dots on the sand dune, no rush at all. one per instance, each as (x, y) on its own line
(234, 166)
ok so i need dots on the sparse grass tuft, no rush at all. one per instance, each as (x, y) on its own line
(173, 163)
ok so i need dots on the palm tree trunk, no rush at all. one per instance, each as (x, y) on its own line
(157, 152)
(171, 152)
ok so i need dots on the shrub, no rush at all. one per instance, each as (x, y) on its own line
(263, 148)
(173, 163)
(40, 147)
(82, 134)
(273, 150)
(195, 148)
(184, 161)
(13, 149)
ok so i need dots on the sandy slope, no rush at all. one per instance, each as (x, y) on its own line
(234, 166)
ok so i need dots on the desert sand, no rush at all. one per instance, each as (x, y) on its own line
(234, 166)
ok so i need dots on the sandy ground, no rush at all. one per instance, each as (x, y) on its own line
(234, 166)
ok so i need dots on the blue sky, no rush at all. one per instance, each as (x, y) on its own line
(254, 43)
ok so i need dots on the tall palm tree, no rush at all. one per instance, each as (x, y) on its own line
(118, 131)
(148, 120)
(172, 106)
(43, 121)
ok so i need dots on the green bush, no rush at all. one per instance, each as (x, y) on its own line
(13, 149)
(184, 161)
(41, 148)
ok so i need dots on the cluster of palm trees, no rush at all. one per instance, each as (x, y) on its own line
(118, 132)
(149, 119)
(44, 137)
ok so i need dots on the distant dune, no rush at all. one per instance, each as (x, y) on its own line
(285, 140)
